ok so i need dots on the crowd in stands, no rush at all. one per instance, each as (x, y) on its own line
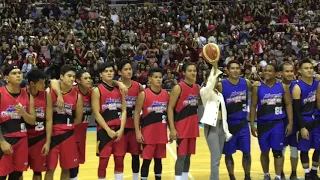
(87, 33)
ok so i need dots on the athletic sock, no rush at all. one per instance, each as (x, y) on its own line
(135, 176)
(178, 178)
(118, 176)
(184, 176)
(75, 178)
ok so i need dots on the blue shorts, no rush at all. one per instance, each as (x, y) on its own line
(312, 143)
(239, 141)
(271, 138)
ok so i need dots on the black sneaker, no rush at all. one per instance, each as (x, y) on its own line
(247, 178)
(266, 177)
(293, 176)
(307, 176)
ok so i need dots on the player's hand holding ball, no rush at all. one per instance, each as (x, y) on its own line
(211, 53)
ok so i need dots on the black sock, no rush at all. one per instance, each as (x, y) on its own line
(247, 175)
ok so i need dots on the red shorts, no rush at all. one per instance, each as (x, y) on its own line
(80, 133)
(37, 161)
(18, 160)
(150, 151)
(132, 145)
(107, 146)
(186, 146)
(64, 148)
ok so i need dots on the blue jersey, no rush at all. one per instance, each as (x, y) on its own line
(236, 99)
(270, 103)
(293, 82)
(308, 99)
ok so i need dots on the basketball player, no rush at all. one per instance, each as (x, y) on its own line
(235, 92)
(17, 108)
(39, 135)
(183, 119)
(83, 87)
(63, 143)
(287, 74)
(134, 88)
(153, 103)
(304, 103)
(109, 110)
(268, 99)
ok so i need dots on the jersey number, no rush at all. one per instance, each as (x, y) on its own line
(244, 108)
(23, 127)
(119, 114)
(68, 122)
(86, 119)
(278, 110)
(132, 113)
(39, 126)
(164, 119)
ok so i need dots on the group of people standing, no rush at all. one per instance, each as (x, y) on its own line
(40, 126)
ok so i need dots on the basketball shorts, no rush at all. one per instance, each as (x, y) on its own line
(271, 135)
(239, 141)
(63, 148)
(18, 160)
(186, 146)
(150, 151)
(132, 145)
(80, 132)
(37, 161)
(107, 146)
(314, 137)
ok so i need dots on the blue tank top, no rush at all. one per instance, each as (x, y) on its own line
(293, 82)
(308, 99)
(270, 103)
(236, 99)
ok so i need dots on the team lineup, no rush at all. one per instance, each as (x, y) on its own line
(43, 126)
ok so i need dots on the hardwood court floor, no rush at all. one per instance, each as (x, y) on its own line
(200, 162)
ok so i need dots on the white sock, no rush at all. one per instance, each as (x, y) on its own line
(184, 176)
(278, 177)
(75, 178)
(178, 178)
(314, 168)
(118, 176)
(144, 178)
(135, 176)
(101, 178)
(266, 174)
(306, 170)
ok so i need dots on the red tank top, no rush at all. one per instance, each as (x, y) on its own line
(154, 117)
(63, 119)
(131, 97)
(186, 111)
(12, 124)
(40, 104)
(86, 99)
(110, 105)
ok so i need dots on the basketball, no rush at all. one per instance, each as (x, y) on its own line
(211, 52)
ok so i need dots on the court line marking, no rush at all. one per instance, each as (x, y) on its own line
(175, 157)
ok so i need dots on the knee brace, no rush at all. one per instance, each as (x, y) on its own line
(37, 173)
(74, 172)
(304, 157)
(277, 154)
(118, 163)
(103, 163)
(246, 159)
(15, 175)
(293, 152)
(229, 160)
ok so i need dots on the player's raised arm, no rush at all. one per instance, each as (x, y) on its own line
(174, 96)
(79, 110)
(254, 102)
(137, 110)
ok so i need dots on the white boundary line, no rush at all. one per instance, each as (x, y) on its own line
(175, 157)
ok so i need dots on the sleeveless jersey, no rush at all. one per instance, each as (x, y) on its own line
(63, 119)
(308, 99)
(293, 82)
(40, 104)
(154, 117)
(186, 111)
(110, 105)
(270, 103)
(11, 123)
(87, 110)
(236, 100)
(133, 93)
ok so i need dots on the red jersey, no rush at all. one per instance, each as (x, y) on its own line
(12, 124)
(87, 110)
(131, 97)
(63, 119)
(40, 104)
(110, 105)
(186, 111)
(154, 117)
